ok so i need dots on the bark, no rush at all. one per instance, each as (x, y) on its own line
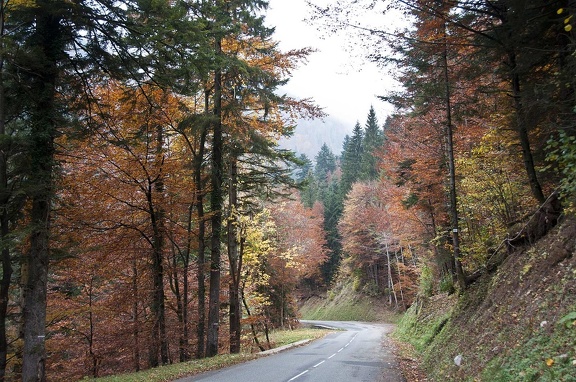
(461, 277)
(234, 260)
(185, 336)
(135, 314)
(5, 260)
(159, 337)
(43, 131)
(216, 219)
(522, 130)
(201, 260)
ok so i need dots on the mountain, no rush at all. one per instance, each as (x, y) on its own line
(310, 135)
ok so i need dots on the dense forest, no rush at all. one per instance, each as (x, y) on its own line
(148, 215)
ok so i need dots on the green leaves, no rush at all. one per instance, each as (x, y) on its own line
(568, 320)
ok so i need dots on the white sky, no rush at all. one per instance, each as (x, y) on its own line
(341, 84)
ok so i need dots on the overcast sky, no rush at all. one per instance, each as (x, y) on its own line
(342, 85)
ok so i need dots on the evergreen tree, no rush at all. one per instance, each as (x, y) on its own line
(351, 159)
(373, 139)
(304, 168)
(325, 163)
(333, 207)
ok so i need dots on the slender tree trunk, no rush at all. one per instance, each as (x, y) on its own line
(252, 326)
(174, 279)
(135, 314)
(185, 336)
(452, 169)
(6, 260)
(43, 131)
(201, 260)
(159, 337)
(522, 129)
(216, 209)
(390, 281)
(233, 259)
(91, 320)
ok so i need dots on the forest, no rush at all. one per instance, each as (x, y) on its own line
(148, 215)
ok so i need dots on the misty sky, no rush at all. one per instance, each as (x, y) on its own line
(344, 86)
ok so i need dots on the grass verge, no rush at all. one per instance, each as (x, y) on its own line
(343, 304)
(179, 370)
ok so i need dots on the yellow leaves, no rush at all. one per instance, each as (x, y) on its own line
(567, 26)
(24, 4)
(549, 362)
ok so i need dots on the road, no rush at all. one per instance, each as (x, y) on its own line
(355, 354)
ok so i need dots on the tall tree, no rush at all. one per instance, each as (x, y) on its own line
(372, 141)
(352, 154)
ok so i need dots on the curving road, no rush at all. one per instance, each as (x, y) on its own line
(353, 355)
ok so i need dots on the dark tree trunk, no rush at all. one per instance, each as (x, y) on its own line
(159, 337)
(201, 261)
(234, 260)
(216, 209)
(522, 130)
(135, 314)
(43, 124)
(460, 276)
(6, 260)
(185, 336)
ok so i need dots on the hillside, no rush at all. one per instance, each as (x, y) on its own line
(515, 324)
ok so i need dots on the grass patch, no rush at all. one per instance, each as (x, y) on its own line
(546, 357)
(180, 370)
(417, 331)
(343, 304)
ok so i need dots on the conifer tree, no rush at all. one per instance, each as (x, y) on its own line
(352, 155)
(373, 140)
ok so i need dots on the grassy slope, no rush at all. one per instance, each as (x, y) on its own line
(343, 304)
(518, 324)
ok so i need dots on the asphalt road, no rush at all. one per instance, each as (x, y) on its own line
(353, 355)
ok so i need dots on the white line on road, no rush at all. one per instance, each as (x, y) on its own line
(298, 376)
(321, 362)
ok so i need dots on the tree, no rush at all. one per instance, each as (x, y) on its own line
(372, 141)
(325, 163)
(352, 154)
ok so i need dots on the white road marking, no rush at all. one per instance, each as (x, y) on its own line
(321, 362)
(298, 376)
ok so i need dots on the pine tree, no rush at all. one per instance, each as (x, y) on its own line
(372, 141)
(352, 154)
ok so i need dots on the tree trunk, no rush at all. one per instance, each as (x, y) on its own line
(5, 260)
(43, 131)
(135, 314)
(201, 260)
(234, 260)
(185, 336)
(461, 277)
(252, 326)
(159, 337)
(174, 281)
(522, 130)
(216, 209)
